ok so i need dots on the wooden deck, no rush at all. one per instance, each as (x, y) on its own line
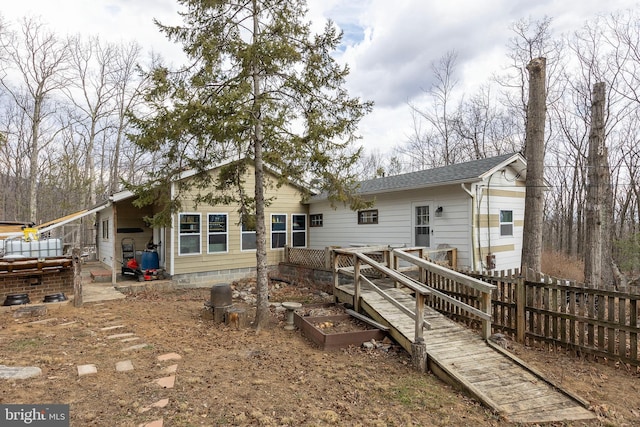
(461, 357)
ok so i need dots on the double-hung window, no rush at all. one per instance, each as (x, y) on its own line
(506, 223)
(299, 230)
(248, 239)
(217, 233)
(189, 235)
(278, 231)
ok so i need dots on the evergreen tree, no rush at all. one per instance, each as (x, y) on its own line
(259, 87)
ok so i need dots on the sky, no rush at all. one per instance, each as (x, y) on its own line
(390, 46)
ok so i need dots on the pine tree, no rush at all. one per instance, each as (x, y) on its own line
(259, 87)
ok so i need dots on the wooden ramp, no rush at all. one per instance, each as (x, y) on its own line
(460, 356)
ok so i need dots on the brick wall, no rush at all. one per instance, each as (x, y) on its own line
(37, 285)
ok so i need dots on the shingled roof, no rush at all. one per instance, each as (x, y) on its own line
(452, 174)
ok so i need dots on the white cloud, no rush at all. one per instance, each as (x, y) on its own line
(389, 45)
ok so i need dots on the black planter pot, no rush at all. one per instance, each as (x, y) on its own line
(55, 298)
(16, 299)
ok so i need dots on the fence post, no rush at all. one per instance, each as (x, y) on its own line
(287, 256)
(521, 300)
(77, 277)
(327, 257)
(356, 283)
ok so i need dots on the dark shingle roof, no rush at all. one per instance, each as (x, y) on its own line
(462, 172)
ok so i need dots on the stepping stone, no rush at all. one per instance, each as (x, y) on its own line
(124, 366)
(68, 323)
(112, 337)
(135, 347)
(19, 373)
(156, 423)
(110, 328)
(170, 369)
(159, 404)
(130, 339)
(43, 321)
(169, 356)
(166, 382)
(87, 370)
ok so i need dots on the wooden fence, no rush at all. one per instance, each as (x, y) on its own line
(557, 312)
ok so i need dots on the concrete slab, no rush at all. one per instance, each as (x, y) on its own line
(87, 370)
(170, 369)
(19, 373)
(124, 366)
(156, 423)
(135, 347)
(169, 356)
(166, 382)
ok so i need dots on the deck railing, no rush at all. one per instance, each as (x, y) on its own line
(388, 265)
(322, 258)
(361, 259)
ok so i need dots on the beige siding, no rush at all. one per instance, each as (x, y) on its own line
(285, 200)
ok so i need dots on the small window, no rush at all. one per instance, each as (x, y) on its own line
(217, 234)
(299, 231)
(506, 223)
(189, 237)
(278, 231)
(315, 220)
(105, 229)
(368, 217)
(248, 240)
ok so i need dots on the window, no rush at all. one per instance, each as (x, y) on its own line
(248, 239)
(217, 234)
(299, 231)
(506, 223)
(105, 229)
(368, 217)
(315, 220)
(189, 236)
(278, 231)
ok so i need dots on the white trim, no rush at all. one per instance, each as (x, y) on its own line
(226, 233)
(285, 231)
(199, 234)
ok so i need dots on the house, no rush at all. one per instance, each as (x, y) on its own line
(476, 207)
(205, 244)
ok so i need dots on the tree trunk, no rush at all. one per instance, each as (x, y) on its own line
(534, 152)
(262, 278)
(598, 262)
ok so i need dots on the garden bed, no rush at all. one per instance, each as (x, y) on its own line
(330, 327)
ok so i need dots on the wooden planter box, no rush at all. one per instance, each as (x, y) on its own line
(328, 341)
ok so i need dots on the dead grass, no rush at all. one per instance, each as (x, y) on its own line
(562, 266)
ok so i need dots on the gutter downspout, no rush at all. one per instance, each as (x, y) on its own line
(473, 243)
(172, 237)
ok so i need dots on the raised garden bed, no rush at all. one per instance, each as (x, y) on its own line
(331, 327)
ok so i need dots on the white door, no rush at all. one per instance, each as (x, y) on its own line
(422, 224)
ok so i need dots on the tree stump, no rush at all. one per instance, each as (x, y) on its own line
(219, 313)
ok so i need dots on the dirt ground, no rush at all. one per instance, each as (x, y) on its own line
(227, 376)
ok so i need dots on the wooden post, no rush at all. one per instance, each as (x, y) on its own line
(336, 276)
(77, 277)
(486, 307)
(419, 333)
(287, 255)
(454, 258)
(521, 301)
(327, 257)
(356, 283)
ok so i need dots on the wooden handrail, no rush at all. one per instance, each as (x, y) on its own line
(483, 287)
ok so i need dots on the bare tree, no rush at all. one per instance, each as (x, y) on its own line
(534, 201)
(39, 59)
(438, 114)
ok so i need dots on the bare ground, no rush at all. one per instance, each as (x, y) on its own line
(236, 377)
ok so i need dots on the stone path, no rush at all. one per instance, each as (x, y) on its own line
(105, 324)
